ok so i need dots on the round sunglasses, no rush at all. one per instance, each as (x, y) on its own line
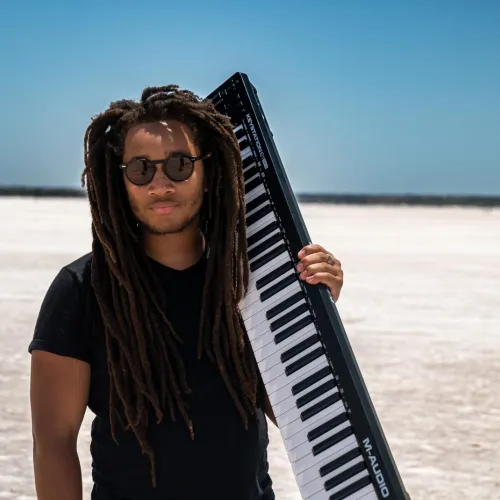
(178, 168)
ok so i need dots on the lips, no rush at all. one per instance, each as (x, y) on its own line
(164, 207)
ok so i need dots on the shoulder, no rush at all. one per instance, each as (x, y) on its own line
(79, 270)
(60, 325)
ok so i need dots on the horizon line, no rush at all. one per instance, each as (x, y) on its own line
(302, 197)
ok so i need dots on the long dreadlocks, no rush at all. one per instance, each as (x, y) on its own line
(145, 368)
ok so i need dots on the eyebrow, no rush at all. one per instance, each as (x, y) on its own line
(167, 155)
(180, 151)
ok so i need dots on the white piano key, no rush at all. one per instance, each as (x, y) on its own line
(254, 193)
(254, 317)
(253, 297)
(274, 232)
(284, 380)
(327, 378)
(311, 473)
(271, 348)
(268, 249)
(277, 394)
(263, 204)
(262, 342)
(316, 490)
(258, 331)
(322, 495)
(290, 404)
(336, 472)
(253, 305)
(269, 266)
(250, 165)
(344, 484)
(305, 448)
(310, 460)
(262, 308)
(246, 152)
(300, 437)
(366, 493)
(296, 425)
(268, 362)
(256, 226)
(300, 335)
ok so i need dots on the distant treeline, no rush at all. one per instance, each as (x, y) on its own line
(349, 199)
(42, 192)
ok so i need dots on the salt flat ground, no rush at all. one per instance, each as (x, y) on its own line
(421, 305)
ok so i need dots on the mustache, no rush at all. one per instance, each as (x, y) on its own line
(165, 199)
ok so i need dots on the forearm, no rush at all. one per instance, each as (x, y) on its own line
(58, 473)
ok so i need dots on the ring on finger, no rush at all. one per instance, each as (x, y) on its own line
(329, 260)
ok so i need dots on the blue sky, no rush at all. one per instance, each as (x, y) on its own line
(362, 96)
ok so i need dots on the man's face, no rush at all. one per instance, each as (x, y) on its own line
(164, 206)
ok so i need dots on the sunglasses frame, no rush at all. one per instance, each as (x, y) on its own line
(164, 161)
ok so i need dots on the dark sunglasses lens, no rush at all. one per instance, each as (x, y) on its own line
(179, 168)
(138, 172)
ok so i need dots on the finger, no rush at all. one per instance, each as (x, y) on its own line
(309, 249)
(327, 279)
(321, 267)
(333, 283)
(318, 258)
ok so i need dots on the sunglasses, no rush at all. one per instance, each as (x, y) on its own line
(178, 168)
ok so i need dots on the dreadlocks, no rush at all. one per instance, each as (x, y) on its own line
(145, 368)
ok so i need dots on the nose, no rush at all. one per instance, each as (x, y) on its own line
(161, 184)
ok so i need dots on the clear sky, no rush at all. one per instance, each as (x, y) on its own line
(362, 96)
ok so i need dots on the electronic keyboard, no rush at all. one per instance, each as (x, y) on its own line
(328, 424)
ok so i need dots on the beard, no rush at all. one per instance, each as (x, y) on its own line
(168, 228)
(169, 225)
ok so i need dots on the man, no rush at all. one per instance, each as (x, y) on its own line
(145, 329)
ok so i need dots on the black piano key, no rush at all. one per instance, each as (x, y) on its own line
(282, 306)
(256, 202)
(298, 348)
(251, 185)
(339, 462)
(244, 143)
(312, 379)
(303, 361)
(293, 329)
(262, 233)
(248, 174)
(331, 441)
(344, 475)
(273, 290)
(260, 214)
(352, 488)
(266, 258)
(248, 161)
(317, 432)
(275, 274)
(288, 317)
(320, 406)
(257, 250)
(315, 393)
(240, 133)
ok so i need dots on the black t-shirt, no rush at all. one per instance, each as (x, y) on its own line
(224, 461)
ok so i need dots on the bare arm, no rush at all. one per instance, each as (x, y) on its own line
(59, 393)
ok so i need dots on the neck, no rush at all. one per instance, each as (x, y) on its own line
(176, 250)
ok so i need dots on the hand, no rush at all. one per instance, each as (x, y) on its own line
(317, 265)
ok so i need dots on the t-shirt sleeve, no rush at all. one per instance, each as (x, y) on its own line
(60, 324)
